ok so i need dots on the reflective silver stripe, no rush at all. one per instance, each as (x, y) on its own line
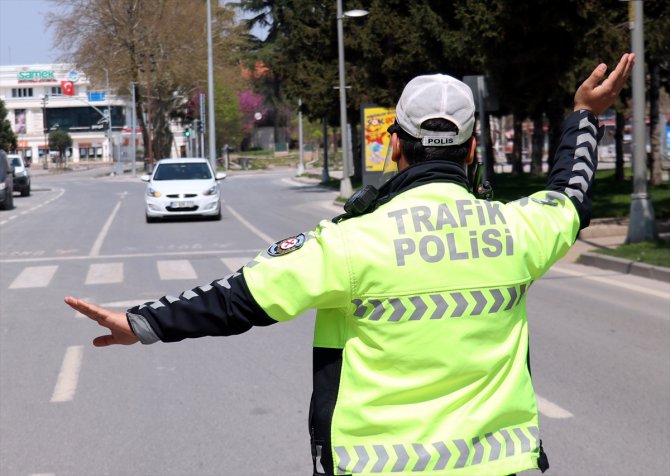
(465, 453)
(582, 166)
(344, 459)
(363, 459)
(378, 309)
(142, 329)
(571, 192)
(382, 459)
(190, 294)
(419, 308)
(479, 450)
(495, 447)
(584, 123)
(436, 456)
(424, 457)
(444, 453)
(461, 304)
(589, 139)
(403, 458)
(441, 306)
(509, 443)
(398, 309)
(458, 302)
(525, 442)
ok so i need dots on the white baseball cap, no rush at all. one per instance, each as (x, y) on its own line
(436, 96)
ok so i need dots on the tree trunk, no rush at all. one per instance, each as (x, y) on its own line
(517, 155)
(655, 166)
(538, 145)
(618, 147)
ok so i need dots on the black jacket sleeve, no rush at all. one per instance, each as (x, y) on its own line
(223, 307)
(575, 162)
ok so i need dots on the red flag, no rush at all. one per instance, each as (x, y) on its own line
(67, 87)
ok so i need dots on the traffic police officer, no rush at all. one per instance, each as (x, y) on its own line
(421, 337)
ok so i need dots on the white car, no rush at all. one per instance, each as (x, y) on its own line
(181, 187)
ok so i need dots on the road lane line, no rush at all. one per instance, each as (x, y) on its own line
(34, 277)
(251, 227)
(66, 385)
(550, 409)
(176, 269)
(95, 250)
(104, 273)
(612, 282)
(233, 264)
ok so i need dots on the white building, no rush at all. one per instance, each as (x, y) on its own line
(44, 97)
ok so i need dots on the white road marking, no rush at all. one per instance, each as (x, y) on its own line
(550, 409)
(251, 227)
(176, 269)
(95, 250)
(131, 255)
(612, 282)
(60, 191)
(43, 474)
(104, 273)
(233, 264)
(66, 385)
(34, 277)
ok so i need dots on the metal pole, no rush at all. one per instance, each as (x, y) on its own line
(210, 88)
(325, 177)
(149, 128)
(45, 100)
(345, 183)
(132, 133)
(301, 163)
(201, 128)
(482, 125)
(642, 224)
(109, 120)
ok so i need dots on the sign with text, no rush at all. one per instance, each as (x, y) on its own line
(376, 121)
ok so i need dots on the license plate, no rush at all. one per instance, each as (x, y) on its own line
(181, 204)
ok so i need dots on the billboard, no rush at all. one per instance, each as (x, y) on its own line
(376, 120)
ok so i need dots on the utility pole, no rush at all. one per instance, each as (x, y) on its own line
(109, 120)
(149, 134)
(133, 126)
(301, 163)
(642, 222)
(45, 100)
(210, 88)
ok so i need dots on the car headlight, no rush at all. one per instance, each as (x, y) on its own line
(2, 185)
(213, 190)
(151, 192)
(24, 173)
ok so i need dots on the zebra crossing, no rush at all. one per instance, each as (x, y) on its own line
(116, 272)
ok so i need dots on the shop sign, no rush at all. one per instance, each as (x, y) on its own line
(36, 76)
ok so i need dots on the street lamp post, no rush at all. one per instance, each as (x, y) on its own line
(45, 100)
(301, 154)
(642, 223)
(110, 153)
(210, 90)
(345, 183)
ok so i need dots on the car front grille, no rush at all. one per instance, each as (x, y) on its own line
(181, 195)
(182, 209)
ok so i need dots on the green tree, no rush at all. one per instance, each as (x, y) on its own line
(160, 45)
(60, 141)
(7, 135)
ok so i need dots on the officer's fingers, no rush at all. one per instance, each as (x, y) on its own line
(104, 341)
(596, 76)
(617, 78)
(92, 311)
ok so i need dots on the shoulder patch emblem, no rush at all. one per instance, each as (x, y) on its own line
(287, 245)
(545, 201)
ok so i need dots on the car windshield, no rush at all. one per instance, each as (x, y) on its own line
(16, 162)
(183, 171)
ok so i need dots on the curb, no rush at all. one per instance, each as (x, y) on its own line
(625, 266)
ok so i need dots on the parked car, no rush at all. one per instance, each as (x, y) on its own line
(21, 175)
(181, 187)
(6, 182)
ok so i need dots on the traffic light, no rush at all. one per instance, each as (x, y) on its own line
(200, 127)
(187, 132)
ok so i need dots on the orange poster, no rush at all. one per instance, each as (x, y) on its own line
(375, 122)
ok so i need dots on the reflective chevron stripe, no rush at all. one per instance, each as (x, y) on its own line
(453, 304)
(437, 456)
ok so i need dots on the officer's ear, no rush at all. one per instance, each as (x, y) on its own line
(397, 154)
(471, 151)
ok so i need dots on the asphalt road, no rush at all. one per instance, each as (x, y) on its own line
(600, 345)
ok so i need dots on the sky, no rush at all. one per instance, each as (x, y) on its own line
(24, 38)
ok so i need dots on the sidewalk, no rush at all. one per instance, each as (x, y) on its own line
(609, 233)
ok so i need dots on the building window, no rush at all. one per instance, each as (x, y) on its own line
(56, 91)
(22, 92)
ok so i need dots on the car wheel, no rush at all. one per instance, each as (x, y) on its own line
(25, 192)
(9, 201)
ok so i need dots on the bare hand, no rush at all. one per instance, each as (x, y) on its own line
(596, 97)
(116, 322)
